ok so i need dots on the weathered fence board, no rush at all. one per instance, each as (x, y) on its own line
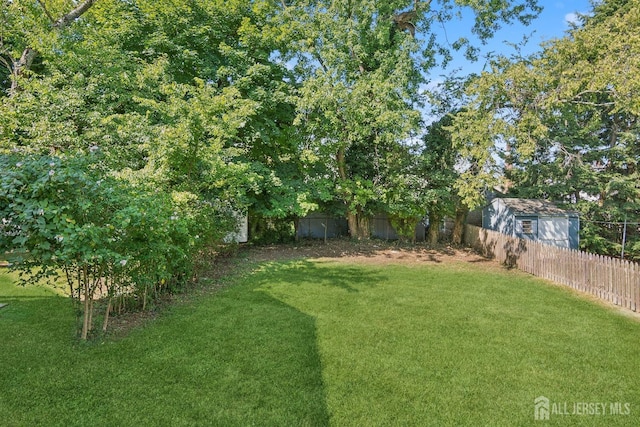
(610, 279)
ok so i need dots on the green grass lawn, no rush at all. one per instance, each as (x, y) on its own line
(316, 342)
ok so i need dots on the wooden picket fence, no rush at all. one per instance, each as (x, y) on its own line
(610, 279)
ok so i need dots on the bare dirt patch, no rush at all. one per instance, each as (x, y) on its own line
(366, 252)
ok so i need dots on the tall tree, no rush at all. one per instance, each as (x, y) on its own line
(566, 121)
(145, 113)
(443, 164)
(175, 92)
(360, 66)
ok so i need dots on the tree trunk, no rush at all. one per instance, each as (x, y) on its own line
(20, 66)
(86, 320)
(144, 299)
(254, 225)
(434, 229)
(364, 231)
(74, 14)
(358, 222)
(296, 227)
(458, 225)
(358, 226)
(105, 322)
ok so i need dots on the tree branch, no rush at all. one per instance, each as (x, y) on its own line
(29, 54)
(5, 63)
(20, 66)
(74, 14)
(592, 104)
(41, 3)
(318, 58)
(5, 55)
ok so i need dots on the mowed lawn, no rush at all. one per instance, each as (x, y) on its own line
(326, 342)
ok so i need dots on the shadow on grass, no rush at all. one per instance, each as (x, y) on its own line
(322, 273)
(238, 358)
(480, 260)
(15, 298)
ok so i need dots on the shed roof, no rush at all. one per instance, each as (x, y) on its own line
(534, 206)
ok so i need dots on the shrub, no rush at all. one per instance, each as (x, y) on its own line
(66, 216)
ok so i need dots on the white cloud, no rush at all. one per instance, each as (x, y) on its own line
(571, 18)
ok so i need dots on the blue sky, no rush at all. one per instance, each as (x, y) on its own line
(550, 24)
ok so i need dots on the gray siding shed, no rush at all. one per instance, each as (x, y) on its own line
(533, 219)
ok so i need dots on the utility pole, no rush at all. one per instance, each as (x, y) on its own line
(624, 236)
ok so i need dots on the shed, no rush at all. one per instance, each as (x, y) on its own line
(533, 219)
(241, 233)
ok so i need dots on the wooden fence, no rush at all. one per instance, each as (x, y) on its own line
(610, 279)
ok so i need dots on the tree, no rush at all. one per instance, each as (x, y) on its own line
(356, 84)
(360, 67)
(442, 164)
(566, 121)
(67, 216)
(405, 190)
(176, 93)
(174, 96)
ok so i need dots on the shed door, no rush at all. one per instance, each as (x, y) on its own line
(554, 231)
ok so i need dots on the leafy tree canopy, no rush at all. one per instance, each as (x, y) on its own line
(564, 122)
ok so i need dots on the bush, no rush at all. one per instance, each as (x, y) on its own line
(67, 216)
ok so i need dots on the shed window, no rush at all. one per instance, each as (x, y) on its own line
(527, 226)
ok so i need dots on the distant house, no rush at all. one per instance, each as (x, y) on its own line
(533, 219)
